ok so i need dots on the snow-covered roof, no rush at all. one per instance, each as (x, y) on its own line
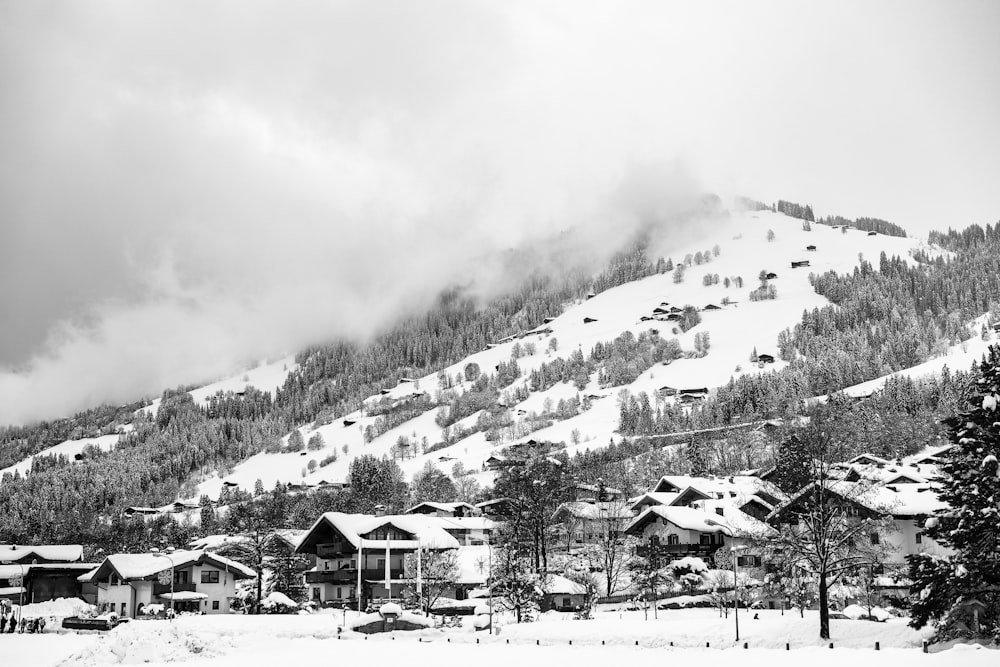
(746, 485)
(653, 498)
(556, 584)
(739, 521)
(183, 596)
(466, 522)
(927, 455)
(142, 566)
(687, 518)
(16, 570)
(429, 530)
(900, 500)
(440, 507)
(66, 553)
(216, 541)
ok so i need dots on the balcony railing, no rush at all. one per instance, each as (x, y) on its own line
(644, 550)
(348, 576)
(160, 589)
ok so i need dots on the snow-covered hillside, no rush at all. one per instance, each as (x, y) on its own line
(960, 357)
(735, 331)
(265, 377)
(68, 448)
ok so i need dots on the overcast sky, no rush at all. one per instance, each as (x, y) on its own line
(185, 186)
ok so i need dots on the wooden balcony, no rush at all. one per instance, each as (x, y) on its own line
(680, 550)
(349, 576)
(160, 589)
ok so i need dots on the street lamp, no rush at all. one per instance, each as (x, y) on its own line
(155, 552)
(733, 550)
(736, 600)
(489, 585)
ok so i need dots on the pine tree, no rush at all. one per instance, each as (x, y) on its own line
(960, 593)
(295, 441)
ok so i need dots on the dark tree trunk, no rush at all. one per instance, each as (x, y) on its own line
(824, 607)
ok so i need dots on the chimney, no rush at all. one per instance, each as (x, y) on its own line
(380, 510)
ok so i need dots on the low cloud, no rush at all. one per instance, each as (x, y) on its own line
(187, 187)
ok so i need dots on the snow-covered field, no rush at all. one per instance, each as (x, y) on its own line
(223, 641)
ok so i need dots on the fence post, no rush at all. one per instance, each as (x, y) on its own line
(876, 646)
(787, 647)
(925, 646)
(745, 645)
(706, 645)
(831, 644)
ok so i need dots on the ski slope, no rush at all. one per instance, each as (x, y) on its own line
(735, 331)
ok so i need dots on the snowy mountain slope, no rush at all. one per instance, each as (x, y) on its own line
(67, 448)
(735, 331)
(265, 377)
(959, 358)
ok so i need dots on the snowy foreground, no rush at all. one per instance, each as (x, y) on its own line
(222, 641)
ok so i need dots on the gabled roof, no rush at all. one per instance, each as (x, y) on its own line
(66, 553)
(652, 498)
(686, 518)
(904, 500)
(144, 566)
(441, 507)
(428, 530)
(556, 584)
(929, 455)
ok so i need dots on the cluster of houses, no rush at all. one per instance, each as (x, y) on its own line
(357, 559)
(685, 516)
(668, 313)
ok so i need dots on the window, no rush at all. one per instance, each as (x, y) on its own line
(315, 594)
(380, 564)
(919, 537)
(706, 538)
(874, 538)
(339, 595)
(123, 610)
(673, 539)
(718, 510)
(181, 577)
(209, 576)
(215, 604)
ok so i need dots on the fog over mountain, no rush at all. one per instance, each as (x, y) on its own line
(187, 186)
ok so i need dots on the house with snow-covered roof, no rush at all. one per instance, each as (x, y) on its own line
(360, 557)
(906, 506)
(38, 573)
(586, 523)
(668, 533)
(194, 581)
